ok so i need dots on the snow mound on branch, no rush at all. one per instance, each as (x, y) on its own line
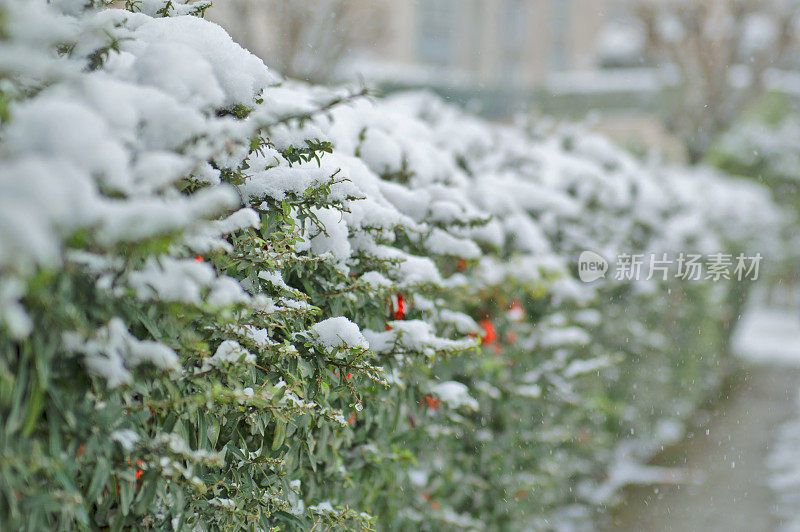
(228, 352)
(339, 333)
(113, 351)
(455, 395)
(194, 49)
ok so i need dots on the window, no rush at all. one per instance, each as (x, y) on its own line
(435, 24)
(512, 38)
(559, 53)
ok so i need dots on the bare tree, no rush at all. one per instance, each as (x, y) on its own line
(304, 39)
(721, 49)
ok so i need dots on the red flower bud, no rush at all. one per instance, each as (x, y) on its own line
(400, 310)
(139, 472)
(489, 333)
(429, 401)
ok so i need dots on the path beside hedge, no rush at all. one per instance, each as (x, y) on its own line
(732, 494)
(730, 452)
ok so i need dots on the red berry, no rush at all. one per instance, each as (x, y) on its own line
(489, 333)
(429, 401)
(400, 311)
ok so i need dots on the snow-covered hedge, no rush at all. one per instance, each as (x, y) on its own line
(228, 301)
(764, 145)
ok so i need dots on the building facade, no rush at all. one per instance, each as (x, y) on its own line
(495, 42)
(489, 43)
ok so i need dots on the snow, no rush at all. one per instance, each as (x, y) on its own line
(332, 237)
(277, 181)
(126, 438)
(12, 313)
(210, 237)
(769, 336)
(441, 243)
(174, 280)
(124, 129)
(455, 395)
(226, 291)
(103, 153)
(338, 333)
(628, 469)
(70, 132)
(413, 335)
(137, 220)
(783, 465)
(239, 75)
(113, 351)
(260, 337)
(639, 80)
(228, 352)
(621, 43)
(412, 270)
(222, 502)
(376, 280)
(550, 338)
(760, 33)
(580, 367)
(531, 391)
(773, 149)
(463, 323)
(322, 508)
(185, 281)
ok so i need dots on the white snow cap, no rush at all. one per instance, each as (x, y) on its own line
(338, 333)
(455, 395)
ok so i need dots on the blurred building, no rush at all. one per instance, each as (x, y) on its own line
(497, 56)
(510, 43)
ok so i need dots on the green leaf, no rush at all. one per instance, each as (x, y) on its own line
(99, 478)
(280, 435)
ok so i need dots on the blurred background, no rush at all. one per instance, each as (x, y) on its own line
(666, 74)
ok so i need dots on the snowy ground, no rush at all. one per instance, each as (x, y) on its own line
(772, 337)
(769, 336)
(747, 454)
(783, 464)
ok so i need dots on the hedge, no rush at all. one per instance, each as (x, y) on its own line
(230, 301)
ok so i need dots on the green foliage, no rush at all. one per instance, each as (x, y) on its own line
(261, 421)
(763, 146)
